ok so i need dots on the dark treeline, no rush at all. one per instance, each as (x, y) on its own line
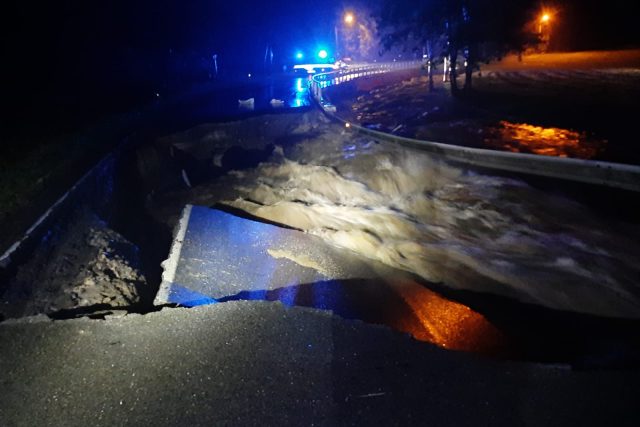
(477, 31)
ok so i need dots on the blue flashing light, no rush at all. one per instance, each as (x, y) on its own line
(322, 54)
(299, 55)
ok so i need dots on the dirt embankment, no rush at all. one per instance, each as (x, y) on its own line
(86, 265)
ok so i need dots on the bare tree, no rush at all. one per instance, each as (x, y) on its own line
(479, 30)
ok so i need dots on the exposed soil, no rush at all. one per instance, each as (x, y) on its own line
(85, 265)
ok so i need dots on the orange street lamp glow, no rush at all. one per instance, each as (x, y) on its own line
(349, 18)
(545, 17)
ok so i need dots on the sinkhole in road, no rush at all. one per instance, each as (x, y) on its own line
(489, 325)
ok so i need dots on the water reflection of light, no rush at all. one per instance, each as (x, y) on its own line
(404, 305)
(300, 93)
(288, 295)
(525, 138)
(446, 323)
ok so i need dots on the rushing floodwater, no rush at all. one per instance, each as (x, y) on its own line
(549, 141)
(525, 124)
(450, 226)
(453, 227)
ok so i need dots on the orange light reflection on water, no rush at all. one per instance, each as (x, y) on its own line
(525, 138)
(446, 323)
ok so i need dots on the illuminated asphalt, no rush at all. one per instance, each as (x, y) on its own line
(263, 363)
(228, 362)
(260, 363)
(219, 257)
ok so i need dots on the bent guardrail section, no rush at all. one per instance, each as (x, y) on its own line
(587, 171)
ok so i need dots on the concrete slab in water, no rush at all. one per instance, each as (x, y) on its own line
(216, 255)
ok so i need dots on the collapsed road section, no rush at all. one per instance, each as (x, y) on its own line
(99, 247)
(219, 257)
(292, 208)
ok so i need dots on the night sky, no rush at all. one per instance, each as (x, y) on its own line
(595, 24)
(69, 52)
(77, 37)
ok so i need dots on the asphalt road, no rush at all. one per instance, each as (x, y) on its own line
(259, 363)
(250, 363)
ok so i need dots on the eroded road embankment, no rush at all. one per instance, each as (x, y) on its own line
(482, 240)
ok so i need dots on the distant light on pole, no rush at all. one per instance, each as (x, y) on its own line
(322, 54)
(299, 55)
(544, 28)
(349, 19)
(545, 18)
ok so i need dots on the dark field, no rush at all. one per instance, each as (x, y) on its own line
(581, 105)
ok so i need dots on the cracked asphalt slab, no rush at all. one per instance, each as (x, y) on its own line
(212, 249)
(261, 363)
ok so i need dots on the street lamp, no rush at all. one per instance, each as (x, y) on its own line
(544, 28)
(544, 20)
(349, 19)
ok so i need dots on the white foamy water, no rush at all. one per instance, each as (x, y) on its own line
(449, 225)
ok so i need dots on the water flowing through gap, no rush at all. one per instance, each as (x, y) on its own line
(466, 245)
(458, 230)
(449, 226)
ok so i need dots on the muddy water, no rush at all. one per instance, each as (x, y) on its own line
(473, 244)
(451, 226)
(472, 237)
(547, 141)
(406, 108)
(504, 135)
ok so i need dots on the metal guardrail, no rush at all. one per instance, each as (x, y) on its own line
(343, 75)
(587, 171)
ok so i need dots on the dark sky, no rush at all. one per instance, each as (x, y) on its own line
(97, 30)
(116, 34)
(596, 24)
(65, 51)
(62, 52)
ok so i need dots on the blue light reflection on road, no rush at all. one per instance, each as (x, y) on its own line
(278, 92)
(222, 257)
(188, 298)
(288, 295)
(300, 93)
(225, 257)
